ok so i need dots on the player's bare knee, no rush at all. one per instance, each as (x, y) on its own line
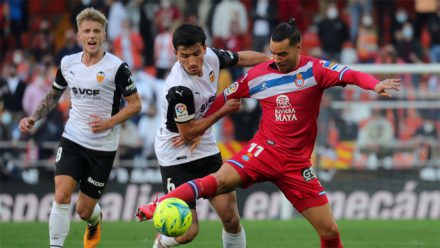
(231, 223)
(222, 184)
(62, 197)
(329, 231)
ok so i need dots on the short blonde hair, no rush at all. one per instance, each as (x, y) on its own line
(91, 14)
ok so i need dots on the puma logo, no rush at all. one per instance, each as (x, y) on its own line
(180, 93)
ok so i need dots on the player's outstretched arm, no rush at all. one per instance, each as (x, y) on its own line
(251, 58)
(388, 84)
(132, 108)
(46, 105)
(368, 82)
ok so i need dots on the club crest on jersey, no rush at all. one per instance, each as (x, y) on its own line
(181, 110)
(299, 81)
(246, 157)
(211, 76)
(231, 89)
(100, 76)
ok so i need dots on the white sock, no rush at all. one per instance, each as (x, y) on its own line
(93, 220)
(168, 241)
(59, 224)
(234, 240)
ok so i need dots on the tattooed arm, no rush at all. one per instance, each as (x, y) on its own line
(49, 102)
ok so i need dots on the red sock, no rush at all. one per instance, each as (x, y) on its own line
(205, 187)
(333, 242)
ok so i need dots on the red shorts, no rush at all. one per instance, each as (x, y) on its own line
(260, 162)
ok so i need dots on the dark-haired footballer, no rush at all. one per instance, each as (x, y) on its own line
(184, 145)
(289, 89)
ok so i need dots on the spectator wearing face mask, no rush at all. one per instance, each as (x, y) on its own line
(434, 31)
(408, 48)
(12, 89)
(332, 32)
(400, 18)
(426, 135)
(358, 9)
(367, 40)
(70, 45)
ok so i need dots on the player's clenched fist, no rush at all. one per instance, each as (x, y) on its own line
(232, 106)
(26, 124)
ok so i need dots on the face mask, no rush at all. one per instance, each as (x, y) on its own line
(39, 81)
(165, 3)
(332, 13)
(17, 58)
(401, 17)
(6, 118)
(86, 2)
(367, 21)
(407, 32)
(429, 127)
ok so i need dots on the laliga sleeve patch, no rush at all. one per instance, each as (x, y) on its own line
(182, 114)
(231, 89)
(332, 66)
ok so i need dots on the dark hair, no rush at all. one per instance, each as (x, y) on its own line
(287, 30)
(187, 35)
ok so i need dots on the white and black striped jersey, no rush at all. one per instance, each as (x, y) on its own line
(187, 97)
(94, 90)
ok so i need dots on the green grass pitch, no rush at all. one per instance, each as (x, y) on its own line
(260, 234)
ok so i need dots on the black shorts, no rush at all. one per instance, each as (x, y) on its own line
(91, 168)
(176, 175)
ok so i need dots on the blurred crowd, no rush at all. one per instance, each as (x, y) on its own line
(36, 34)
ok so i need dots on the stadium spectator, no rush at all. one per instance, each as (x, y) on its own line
(17, 24)
(358, 9)
(129, 45)
(164, 57)
(12, 90)
(434, 31)
(35, 92)
(43, 41)
(116, 16)
(167, 14)
(226, 14)
(140, 15)
(426, 137)
(149, 88)
(375, 138)
(130, 144)
(367, 40)
(401, 17)
(424, 9)
(89, 143)
(264, 14)
(408, 48)
(280, 152)
(190, 88)
(332, 32)
(70, 46)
